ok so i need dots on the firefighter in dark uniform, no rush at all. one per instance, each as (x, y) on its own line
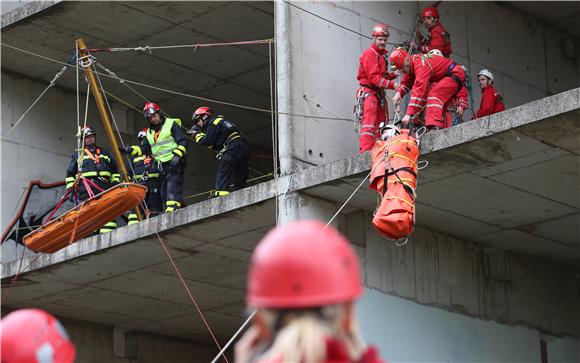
(98, 168)
(146, 172)
(223, 136)
(167, 143)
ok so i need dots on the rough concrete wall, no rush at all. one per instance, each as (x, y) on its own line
(95, 344)
(525, 55)
(463, 277)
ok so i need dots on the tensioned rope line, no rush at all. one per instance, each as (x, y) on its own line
(182, 93)
(189, 293)
(254, 312)
(50, 85)
(149, 48)
(330, 21)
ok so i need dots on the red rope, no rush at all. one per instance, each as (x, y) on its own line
(190, 295)
(13, 282)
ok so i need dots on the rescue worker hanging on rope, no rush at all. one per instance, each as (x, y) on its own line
(491, 100)
(146, 172)
(97, 172)
(371, 104)
(446, 78)
(167, 143)
(438, 38)
(223, 136)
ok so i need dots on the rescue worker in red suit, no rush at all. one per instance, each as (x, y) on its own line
(303, 281)
(34, 336)
(420, 71)
(491, 100)
(438, 37)
(374, 80)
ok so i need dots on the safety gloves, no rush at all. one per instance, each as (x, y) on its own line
(131, 150)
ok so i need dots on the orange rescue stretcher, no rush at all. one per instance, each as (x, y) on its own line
(394, 177)
(85, 218)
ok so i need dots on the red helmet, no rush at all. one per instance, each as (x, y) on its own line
(427, 12)
(381, 30)
(398, 57)
(88, 131)
(201, 111)
(300, 265)
(150, 108)
(142, 134)
(34, 336)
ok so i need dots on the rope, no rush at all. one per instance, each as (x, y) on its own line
(13, 282)
(189, 293)
(331, 22)
(182, 93)
(148, 48)
(323, 109)
(249, 318)
(50, 85)
(233, 337)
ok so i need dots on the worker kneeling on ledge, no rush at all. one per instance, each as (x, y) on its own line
(223, 136)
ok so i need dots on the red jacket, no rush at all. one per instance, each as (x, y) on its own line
(491, 102)
(438, 39)
(425, 70)
(462, 100)
(372, 69)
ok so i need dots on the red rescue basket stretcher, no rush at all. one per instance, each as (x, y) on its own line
(85, 218)
(394, 177)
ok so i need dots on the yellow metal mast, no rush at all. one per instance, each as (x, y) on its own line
(82, 51)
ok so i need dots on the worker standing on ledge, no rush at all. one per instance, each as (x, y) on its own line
(97, 166)
(223, 136)
(438, 38)
(371, 105)
(303, 281)
(146, 172)
(167, 143)
(491, 100)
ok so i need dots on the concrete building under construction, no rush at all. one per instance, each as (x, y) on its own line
(492, 271)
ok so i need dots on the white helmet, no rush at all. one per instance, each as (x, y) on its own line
(435, 52)
(485, 72)
(388, 131)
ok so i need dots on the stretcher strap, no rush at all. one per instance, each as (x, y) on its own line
(403, 200)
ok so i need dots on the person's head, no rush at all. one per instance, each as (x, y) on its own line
(430, 17)
(303, 280)
(201, 115)
(151, 112)
(34, 336)
(89, 136)
(436, 52)
(485, 78)
(381, 35)
(141, 136)
(399, 59)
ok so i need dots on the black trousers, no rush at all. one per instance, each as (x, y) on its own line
(234, 162)
(153, 197)
(172, 183)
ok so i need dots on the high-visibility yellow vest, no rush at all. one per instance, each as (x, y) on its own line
(162, 148)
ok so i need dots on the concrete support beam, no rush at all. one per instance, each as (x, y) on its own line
(13, 11)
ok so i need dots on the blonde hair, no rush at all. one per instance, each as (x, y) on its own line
(299, 335)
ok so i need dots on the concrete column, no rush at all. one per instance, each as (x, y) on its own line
(283, 59)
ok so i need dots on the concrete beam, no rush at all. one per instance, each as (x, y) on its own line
(14, 11)
(561, 130)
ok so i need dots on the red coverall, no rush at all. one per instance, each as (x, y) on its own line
(460, 100)
(373, 79)
(438, 39)
(491, 102)
(444, 75)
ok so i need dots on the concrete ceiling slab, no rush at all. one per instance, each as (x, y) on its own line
(564, 15)
(514, 240)
(564, 229)
(237, 74)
